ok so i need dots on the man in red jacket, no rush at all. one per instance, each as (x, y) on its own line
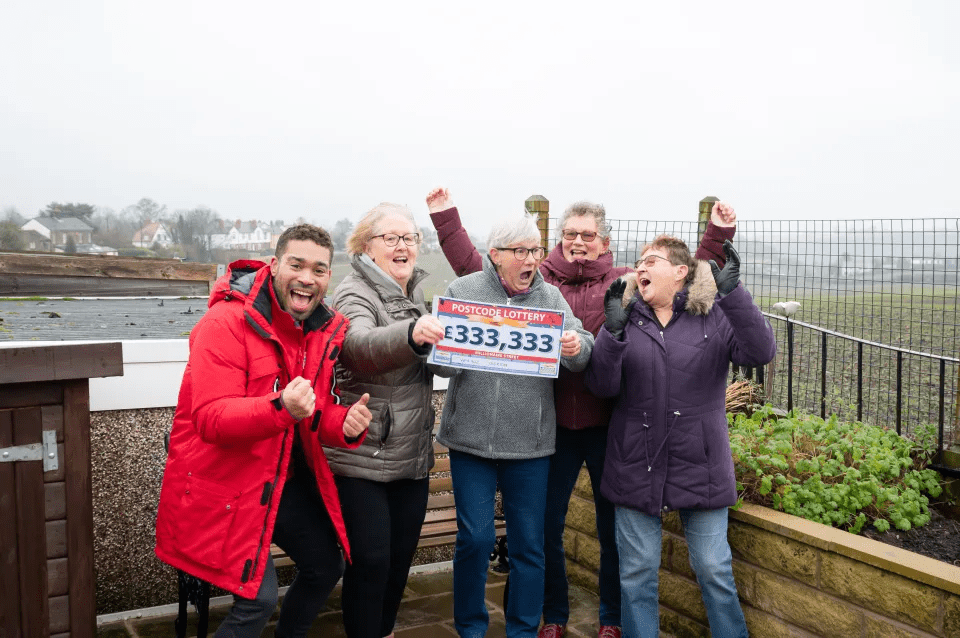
(245, 466)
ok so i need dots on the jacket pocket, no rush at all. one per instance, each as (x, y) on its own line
(207, 511)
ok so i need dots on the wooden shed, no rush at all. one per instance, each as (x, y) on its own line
(46, 502)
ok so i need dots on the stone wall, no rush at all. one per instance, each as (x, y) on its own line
(795, 578)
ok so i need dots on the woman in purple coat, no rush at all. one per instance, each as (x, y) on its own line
(670, 333)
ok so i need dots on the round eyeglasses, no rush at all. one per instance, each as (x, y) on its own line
(521, 253)
(392, 239)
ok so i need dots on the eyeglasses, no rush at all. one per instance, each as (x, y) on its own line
(587, 235)
(392, 239)
(650, 261)
(521, 253)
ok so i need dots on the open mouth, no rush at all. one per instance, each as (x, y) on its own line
(400, 260)
(576, 252)
(643, 283)
(526, 276)
(300, 300)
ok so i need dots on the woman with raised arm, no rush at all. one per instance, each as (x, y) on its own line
(383, 484)
(670, 332)
(581, 266)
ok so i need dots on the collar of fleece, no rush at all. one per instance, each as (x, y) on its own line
(701, 292)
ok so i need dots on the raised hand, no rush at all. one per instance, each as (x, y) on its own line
(358, 418)
(616, 315)
(439, 199)
(298, 398)
(727, 278)
(428, 329)
(722, 214)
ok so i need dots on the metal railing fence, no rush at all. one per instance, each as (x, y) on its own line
(889, 282)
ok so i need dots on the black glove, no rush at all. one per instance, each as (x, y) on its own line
(617, 315)
(728, 278)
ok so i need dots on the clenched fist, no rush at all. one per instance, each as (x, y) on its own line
(298, 398)
(358, 418)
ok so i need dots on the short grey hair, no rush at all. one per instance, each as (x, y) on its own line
(368, 225)
(516, 229)
(585, 209)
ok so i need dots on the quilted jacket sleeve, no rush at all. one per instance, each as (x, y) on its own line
(751, 338)
(370, 349)
(603, 375)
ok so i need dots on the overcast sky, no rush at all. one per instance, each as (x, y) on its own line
(320, 109)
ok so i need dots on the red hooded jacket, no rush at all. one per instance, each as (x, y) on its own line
(231, 439)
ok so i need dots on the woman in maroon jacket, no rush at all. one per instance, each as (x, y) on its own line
(581, 266)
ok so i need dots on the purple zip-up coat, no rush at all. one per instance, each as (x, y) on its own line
(583, 283)
(668, 446)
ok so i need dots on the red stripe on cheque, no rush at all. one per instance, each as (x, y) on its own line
(531, 316)
(495, 355)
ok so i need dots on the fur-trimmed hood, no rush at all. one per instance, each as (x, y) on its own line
(701, 292)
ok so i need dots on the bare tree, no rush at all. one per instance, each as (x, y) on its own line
(145, 211)
(191, 229)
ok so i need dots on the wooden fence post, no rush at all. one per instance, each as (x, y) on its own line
(706, 204)
(539, 207)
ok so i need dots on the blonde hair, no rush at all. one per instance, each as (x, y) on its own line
(366, 228)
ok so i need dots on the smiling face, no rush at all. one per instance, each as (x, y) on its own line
(659, 280)
(578, 248)
(300, 277)
(517, 273)
(397, 261)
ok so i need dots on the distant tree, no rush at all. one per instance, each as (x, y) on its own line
(341, 230)
(11, 214)
(71, 247)
(191, 230)
(11, 238)
(111, 228)
(61, 211)
(145, 211)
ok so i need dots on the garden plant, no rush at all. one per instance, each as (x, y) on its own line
(839, 473)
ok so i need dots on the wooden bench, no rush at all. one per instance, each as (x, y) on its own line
(439, 528)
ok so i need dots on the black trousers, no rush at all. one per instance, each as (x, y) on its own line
(383, 525)
(304, 531)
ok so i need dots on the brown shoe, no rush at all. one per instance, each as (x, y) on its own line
(552, 631)
(609, 631)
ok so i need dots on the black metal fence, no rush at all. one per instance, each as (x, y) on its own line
(888, 282)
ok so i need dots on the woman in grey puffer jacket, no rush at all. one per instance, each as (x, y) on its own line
(501, 430)
(383, 484)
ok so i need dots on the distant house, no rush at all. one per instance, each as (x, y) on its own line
(152, 233)
(254, 236)
(59, 230)
(32, 240)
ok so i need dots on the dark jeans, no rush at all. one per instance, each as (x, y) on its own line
(383, 526)
(574, 447)
(304, 531)
(523, 486)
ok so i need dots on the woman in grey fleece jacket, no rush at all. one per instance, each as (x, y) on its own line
(501, 430)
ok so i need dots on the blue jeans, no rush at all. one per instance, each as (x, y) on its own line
(523, 486)
(304, 531)
(574, 447)
(639, 540)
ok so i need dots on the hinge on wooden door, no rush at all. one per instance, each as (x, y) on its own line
(46, 452)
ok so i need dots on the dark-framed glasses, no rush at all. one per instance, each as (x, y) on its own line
(392, 239)
(587, 235)
(650, 261)
(521, 253)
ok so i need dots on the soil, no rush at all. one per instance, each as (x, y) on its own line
(939, 539)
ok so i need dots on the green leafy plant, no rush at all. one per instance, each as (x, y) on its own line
(839, 473)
